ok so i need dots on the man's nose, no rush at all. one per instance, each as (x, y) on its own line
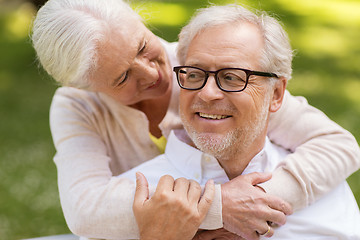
(211, 91)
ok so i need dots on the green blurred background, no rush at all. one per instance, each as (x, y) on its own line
(325, 33)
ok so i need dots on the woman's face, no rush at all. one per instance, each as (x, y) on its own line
(132, 65)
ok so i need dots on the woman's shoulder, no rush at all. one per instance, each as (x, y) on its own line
(81, 98)
(73, 93)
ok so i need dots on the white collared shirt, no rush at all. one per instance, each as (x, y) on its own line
(335, 216)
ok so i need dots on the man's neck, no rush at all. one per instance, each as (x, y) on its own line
(239, 160)
(235, 165)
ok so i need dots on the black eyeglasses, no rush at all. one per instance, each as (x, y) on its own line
(227, 79)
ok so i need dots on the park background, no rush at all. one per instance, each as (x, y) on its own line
(325, 34)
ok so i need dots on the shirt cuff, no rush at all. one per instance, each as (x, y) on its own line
(213, 219)
(284, 185)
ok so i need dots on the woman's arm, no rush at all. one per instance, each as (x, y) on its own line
(324, 154)
(95, 203)
(170, 220)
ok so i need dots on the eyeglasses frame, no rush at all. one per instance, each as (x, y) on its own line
(207, 74)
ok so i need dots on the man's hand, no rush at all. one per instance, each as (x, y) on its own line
(219, 234)
(175, 211)
(248, 210)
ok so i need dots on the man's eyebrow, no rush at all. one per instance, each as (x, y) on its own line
(194, 64)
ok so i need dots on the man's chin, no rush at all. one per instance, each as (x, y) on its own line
(212, 143)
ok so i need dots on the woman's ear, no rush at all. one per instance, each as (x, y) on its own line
(278, 94)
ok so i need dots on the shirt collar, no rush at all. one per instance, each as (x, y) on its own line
(194, 164)
(184, 157)
(260, 162)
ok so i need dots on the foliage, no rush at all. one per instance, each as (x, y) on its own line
(325, 34)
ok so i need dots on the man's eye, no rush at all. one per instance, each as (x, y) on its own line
(194, 77)
(232, 78)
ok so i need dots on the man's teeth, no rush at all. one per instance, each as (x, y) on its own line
(212, 116)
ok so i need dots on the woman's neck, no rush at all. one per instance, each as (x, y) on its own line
(155, 110)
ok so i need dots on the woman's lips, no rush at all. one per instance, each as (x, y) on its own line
(157, 83)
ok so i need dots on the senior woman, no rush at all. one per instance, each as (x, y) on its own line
(118, 103)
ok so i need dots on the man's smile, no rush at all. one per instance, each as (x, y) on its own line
(212, 116)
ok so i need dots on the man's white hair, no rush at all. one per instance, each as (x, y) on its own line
(67, 33)
(277, 53)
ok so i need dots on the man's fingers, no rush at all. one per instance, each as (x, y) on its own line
(280, 205)
(267, 231)
(142, 189)
(277, 218)
(207, 198)
(257, 178)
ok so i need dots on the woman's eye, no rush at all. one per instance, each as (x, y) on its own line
(143, 47)
(121, 81)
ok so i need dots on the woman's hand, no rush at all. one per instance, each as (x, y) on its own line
(176, 209)
(248, 210)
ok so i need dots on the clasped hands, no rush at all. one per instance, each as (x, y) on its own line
(177, 209)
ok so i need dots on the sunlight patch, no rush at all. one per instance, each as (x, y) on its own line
(345, 12)
(351, 89)
(158, 13)
(315, 40)
(306, 83)
(18, 23)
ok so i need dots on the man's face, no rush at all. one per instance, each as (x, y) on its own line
(214, 119)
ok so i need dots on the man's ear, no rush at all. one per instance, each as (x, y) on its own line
(278, 94)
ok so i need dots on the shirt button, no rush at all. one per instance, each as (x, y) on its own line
(196, 175)
(207, 159)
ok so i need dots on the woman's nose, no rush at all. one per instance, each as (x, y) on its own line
(146, 71)
(211, 91)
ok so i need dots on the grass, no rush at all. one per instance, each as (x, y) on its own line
(324, 33)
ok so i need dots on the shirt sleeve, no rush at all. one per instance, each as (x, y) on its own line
(213, 219)
(324, 154)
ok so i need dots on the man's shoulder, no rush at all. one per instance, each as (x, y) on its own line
(152, 169)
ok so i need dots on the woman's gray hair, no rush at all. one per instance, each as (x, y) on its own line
(277, 53)
(66, 35)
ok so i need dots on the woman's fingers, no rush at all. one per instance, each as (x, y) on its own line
(181, 186)
(142, 189)
(194, 192)
(175, 211)
(165, 184)
(207, 198)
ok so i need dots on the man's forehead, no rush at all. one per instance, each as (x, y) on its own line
(230, 36)
(226, 46)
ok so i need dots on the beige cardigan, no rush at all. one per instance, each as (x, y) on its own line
(96, 139)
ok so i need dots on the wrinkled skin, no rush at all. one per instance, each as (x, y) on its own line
(177, 204)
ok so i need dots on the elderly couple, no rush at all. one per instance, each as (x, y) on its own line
(121, 103)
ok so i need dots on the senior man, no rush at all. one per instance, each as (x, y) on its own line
(236, 67)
